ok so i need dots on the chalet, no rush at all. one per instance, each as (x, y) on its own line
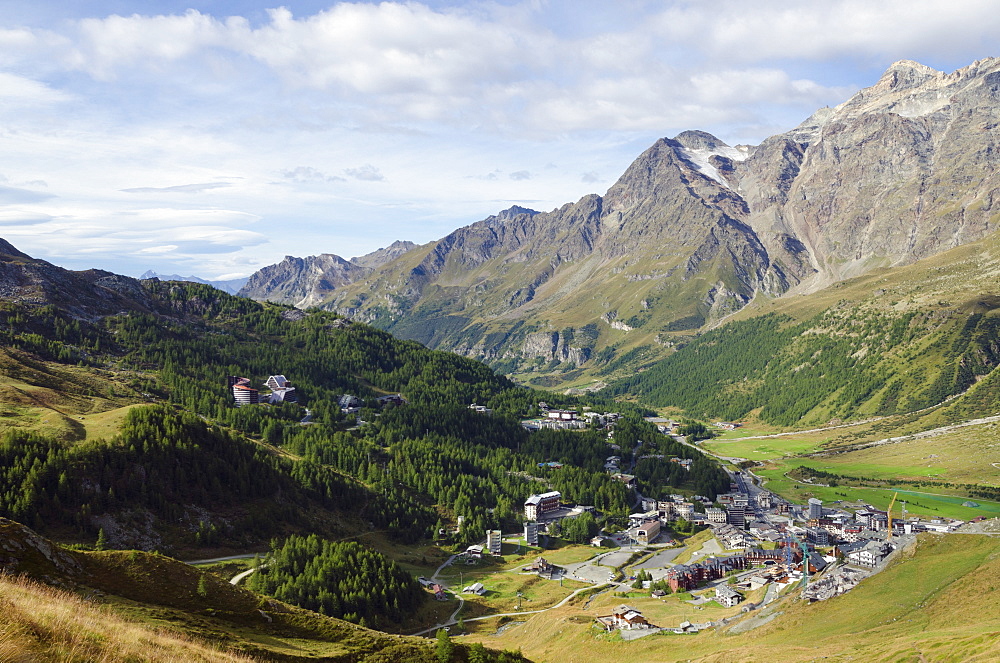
(627, 479)
(562, 415)
(689, 576)
(475, 588)
(349, 404)
(726, 596)
(816, 563)
(438, 592)
(624, 617)
(542, 567)
(759, 556)
(870, 554)
(481, 409)
(683, 462)
(391, 399)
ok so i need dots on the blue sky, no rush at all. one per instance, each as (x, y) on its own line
(213, 138)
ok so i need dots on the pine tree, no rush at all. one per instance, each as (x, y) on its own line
(102, 540)
(202, 587)
(445, 647)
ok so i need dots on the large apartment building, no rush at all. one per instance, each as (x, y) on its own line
(536, 506)
(242, 392)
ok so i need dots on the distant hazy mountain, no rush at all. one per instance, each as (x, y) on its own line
(232, 286)
(305, 282)
(695, 229)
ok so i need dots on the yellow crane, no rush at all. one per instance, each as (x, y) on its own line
(888, 513)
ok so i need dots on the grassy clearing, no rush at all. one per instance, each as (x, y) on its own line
(60, 400)
(964, 455)
(105, 424)
(692, 544)
(926, 501)
(775, 447)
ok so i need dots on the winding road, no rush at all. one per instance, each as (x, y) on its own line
(452, 620)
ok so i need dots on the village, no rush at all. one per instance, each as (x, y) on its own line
(751, 548)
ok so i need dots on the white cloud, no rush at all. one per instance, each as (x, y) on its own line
(16, 217)
(179, 188)
(306, 174)
(819, 29)
(459, 104)
(16, 195)
(20, 91)
(366, 173)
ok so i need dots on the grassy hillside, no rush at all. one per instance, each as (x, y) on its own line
(40, 623)
(896, 341)
(917, 610)
(147, 607)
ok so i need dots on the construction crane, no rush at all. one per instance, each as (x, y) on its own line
(888, 513)
(805, 558)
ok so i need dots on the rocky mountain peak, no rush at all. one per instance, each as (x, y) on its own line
(699, 140)
(510, 213)
(906, 74)
(7, 250)
(376, 259)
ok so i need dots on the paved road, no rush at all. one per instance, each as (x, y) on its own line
(660, 559)
(226, 559)
(245, 574)
(452, 620)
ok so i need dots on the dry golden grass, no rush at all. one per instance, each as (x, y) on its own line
(39, 623)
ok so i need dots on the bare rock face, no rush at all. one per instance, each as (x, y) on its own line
(24, 551)
(302, 282)
(305, 282)
(904, 169)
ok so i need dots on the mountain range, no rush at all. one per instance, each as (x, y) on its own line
(692, 232)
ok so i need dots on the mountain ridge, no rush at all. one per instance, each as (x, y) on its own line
(695, 229)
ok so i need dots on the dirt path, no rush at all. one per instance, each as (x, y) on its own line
(934, 432)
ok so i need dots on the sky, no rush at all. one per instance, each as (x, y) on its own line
(212, 138)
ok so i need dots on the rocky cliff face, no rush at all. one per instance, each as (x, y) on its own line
(695, 229)
(904, 169)
(305, 282)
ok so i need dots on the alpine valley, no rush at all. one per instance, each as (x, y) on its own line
(744, 406)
